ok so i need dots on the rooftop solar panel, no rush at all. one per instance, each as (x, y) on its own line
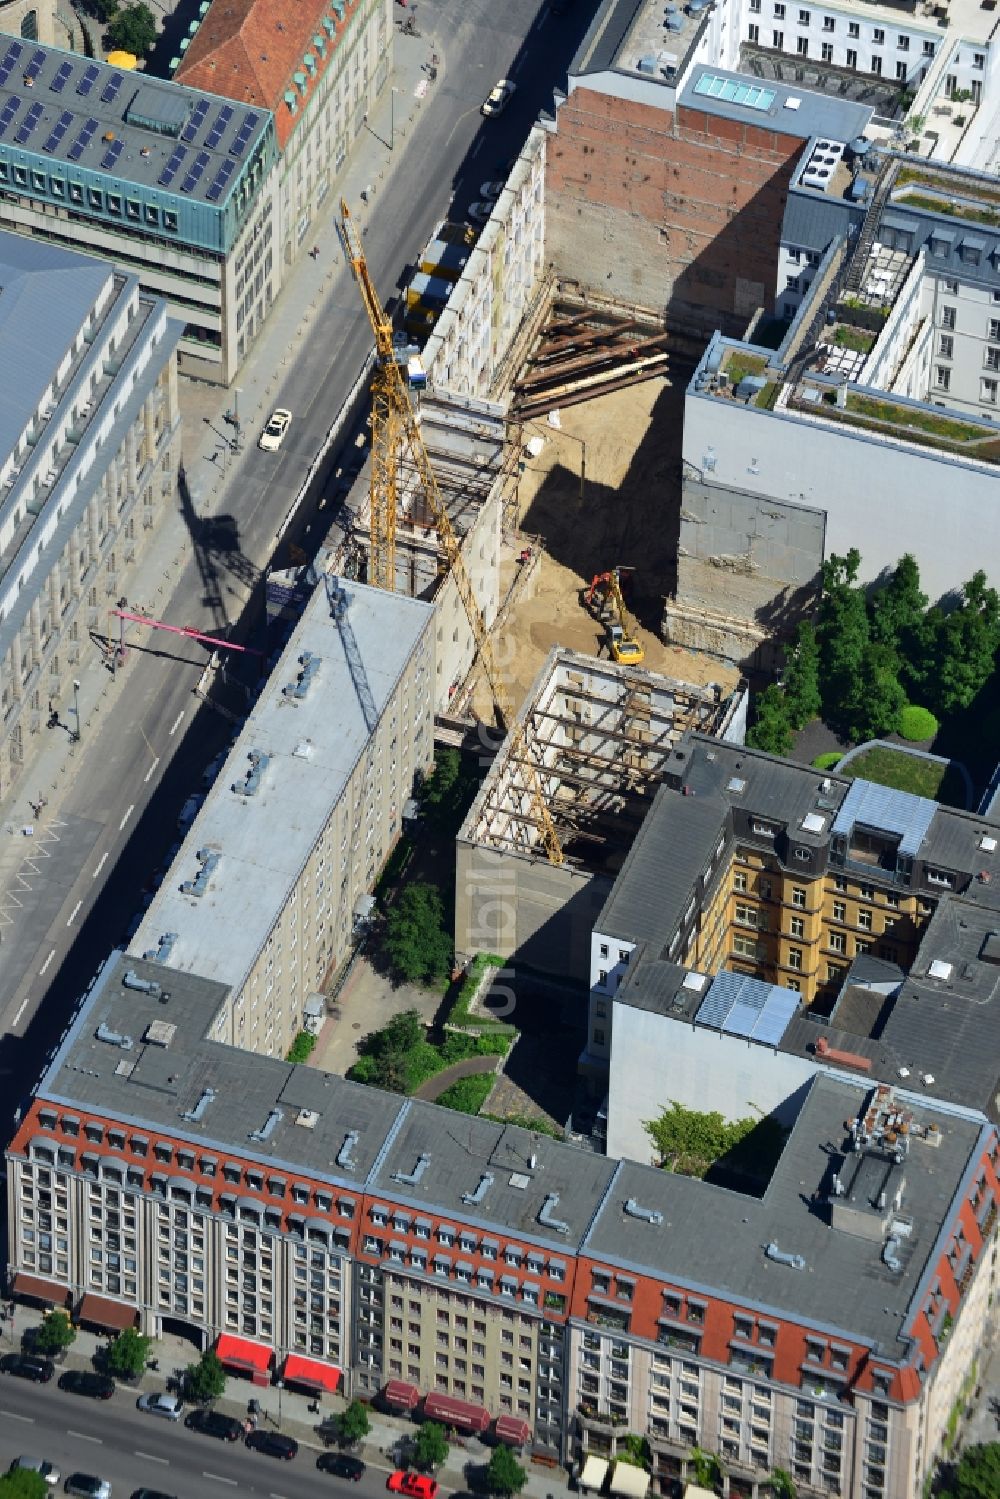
(170, 170)
(111, 88)
(781, 1006)
(59, 129)
(112, 154)
(28, 124)
(10, 110)
(194, 123)
(62, 77)
(35, 65)
(222, 177)
(12, 54)
(88, 80)
(82, 141)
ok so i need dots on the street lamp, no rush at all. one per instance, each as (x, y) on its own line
(392, 117)
(76, 709)
(279, 1385)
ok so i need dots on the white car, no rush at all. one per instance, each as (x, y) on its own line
(479, 212)
(167, 1406)
(498, 98)
(46, 1470)
(273, 434)
(491, 189)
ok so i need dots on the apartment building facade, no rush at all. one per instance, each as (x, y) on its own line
(173, 186)
(319, 1231)
(319, 69)
(304, 813)
(88, 460)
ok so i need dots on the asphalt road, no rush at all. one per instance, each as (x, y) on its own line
(113, 1440)
(148, 751)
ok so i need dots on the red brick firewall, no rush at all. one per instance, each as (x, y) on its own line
(676, 211)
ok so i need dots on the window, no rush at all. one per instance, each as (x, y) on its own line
(928, 49)
(979, 61)
(988, 392)
(795, 958)
(878, 36)
(777, 42)
(797, 927)
(903, 43)
(877, 66)
(829, 24)
(799, 897)
(840, 910)
(803, 18)
(995, 327)
(851, 59)
(864, 919)
(853, 29)
(946, 346)
(753, 32)
(942, 377)
(992, 360)
(838, 942)
(826, 51)
(755, 7)
(948, 315)
(750, 916)
(802, 46)
(779, 12)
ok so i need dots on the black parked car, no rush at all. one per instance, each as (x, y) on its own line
(273, 1443)
(150, 1494)
(341, 1465)
(38, 1370)
(84, 1382)
(214, 1424)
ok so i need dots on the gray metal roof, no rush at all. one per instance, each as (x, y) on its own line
(670, 851)
(712, 1239)
(134, 128)
(890, 811)
(793, 111)
(47, 295)
(311, 744)
(814, 220)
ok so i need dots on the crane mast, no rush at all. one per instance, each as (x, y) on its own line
(394, 421)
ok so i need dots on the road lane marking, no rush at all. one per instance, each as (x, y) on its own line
(13, 1416)
(148, 776)
(24, 1002)
(84, 1436)
(128, 814)
(218, 1478)
(150, 1457)
(45, 965)
(73, 914)
(103, 861)
(177, 723)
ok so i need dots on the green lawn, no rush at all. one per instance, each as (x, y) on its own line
(910, 416)
(889, 767)
(739, 365)
(853, 338)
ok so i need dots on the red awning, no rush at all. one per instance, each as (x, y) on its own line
(512, 1429)
(398, 1393)
(40, 1290)
(245, 1357)
(311, 1373)
(107, 1313)
(458, 1413)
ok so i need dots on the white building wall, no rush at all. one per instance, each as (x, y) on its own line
(866, 40)
(656, 1060)
(882, 496)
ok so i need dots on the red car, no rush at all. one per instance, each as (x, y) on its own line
(413, 1485)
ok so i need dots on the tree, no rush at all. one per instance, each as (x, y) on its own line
(418, 944)
(782, 1485)
(896, 610)
(504, 1474)
(965, 647)
(430, 1446)
(842, 632)
(127, 1355)
(22, 1483)
(803, 699)
(978, 1474)
(55, 1334)
(133, 29)
(635, 1450)
(353, 1424)
(771, 730)
(707, 1468)
(875, 699)
(205, 1380)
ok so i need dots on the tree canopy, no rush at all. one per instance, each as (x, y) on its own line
(417, 940)
(504, 1474)
(353, 1424)
(430, 1446)
(23, 1484)
(205, 1380)
(127, 1355)
(55, 1333)
(978, 1474)
(133, 29)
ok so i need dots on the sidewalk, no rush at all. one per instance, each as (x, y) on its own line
(298, 1418)
(298, 307)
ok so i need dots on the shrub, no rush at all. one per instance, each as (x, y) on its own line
(917, 723)
(828, 760)
(302, 1047)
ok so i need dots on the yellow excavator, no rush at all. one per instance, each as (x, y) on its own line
(624, 647)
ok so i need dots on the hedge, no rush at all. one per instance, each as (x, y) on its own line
(302, 1047)
(460, 1016)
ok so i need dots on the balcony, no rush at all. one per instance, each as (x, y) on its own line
(677, 1337)
(594, 1420)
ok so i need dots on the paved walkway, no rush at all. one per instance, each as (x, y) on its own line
(152, 579)
(298, 1415)
(441, 1081)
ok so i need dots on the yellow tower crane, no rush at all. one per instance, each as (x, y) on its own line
(393, 422)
